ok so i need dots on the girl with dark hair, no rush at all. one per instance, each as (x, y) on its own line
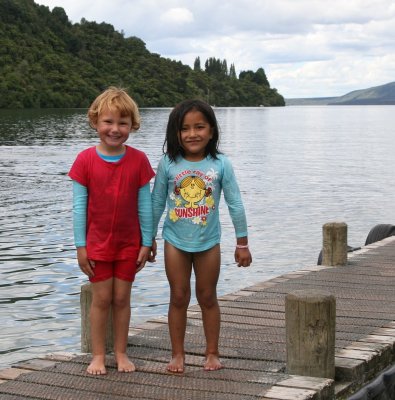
(190, 178)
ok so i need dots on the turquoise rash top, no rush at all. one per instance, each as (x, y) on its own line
(192, 193)
(80, 201)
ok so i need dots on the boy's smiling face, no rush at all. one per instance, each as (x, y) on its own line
(113, 131)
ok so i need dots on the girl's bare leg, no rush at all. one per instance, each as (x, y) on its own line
(178, 270)
(101, 301)
(121, 321)
(206, 265)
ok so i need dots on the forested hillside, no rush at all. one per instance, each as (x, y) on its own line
(383, 94)
(376, 95)
(48, 62)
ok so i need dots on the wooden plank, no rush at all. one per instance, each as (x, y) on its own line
(36, 364)
(12, 373)
(325, 388)
(286, 393)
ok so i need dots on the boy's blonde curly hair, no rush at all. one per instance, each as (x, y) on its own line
(114, 99)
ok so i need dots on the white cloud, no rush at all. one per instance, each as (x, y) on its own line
(178, 16)
(308, 48)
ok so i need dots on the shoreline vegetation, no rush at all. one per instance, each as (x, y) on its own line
(48, 62)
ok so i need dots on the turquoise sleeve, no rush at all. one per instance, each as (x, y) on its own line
(233, 200)
(80, 201)
(145, 214)
(159, 194)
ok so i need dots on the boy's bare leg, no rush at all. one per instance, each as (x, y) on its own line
(121, 321)
(206, 265)
(101, 301)
(178, 270)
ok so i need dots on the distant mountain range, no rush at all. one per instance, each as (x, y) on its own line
(377, 95)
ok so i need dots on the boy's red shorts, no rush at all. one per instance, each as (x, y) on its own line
(121, 269)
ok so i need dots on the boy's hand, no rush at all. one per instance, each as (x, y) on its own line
(85, 264)
(143, 257)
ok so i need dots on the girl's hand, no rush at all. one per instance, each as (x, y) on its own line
(243, 257)
(144, 255)
(85, 264)
(152, 255)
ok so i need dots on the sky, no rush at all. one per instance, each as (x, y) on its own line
(308, 48)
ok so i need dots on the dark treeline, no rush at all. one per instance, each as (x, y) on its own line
(48, 62)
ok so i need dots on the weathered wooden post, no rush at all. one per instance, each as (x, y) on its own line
(310, 322)
(334, 243)
(86, 301)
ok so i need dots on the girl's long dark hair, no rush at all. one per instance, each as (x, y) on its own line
(172, 146)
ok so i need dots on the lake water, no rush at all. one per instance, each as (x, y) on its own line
(298, 168)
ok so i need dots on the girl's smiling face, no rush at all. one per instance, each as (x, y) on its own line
(194, 135)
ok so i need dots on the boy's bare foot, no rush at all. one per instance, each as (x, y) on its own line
(212, 363)
(176, 364)
(124, 364)
(97, 367)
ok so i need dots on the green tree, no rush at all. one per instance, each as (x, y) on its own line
(232, 72)
(196, 64)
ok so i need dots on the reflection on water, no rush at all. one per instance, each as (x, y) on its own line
(298, 167)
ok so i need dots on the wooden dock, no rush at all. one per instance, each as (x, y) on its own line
(252, 344)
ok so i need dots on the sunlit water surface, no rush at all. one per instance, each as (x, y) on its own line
(298, 168)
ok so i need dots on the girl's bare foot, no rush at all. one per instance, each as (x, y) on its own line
(124, 364)
(176, 364)
(97, 366)
(212, 363)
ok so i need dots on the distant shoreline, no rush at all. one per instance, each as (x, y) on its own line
(331, 101)
(374, 96)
